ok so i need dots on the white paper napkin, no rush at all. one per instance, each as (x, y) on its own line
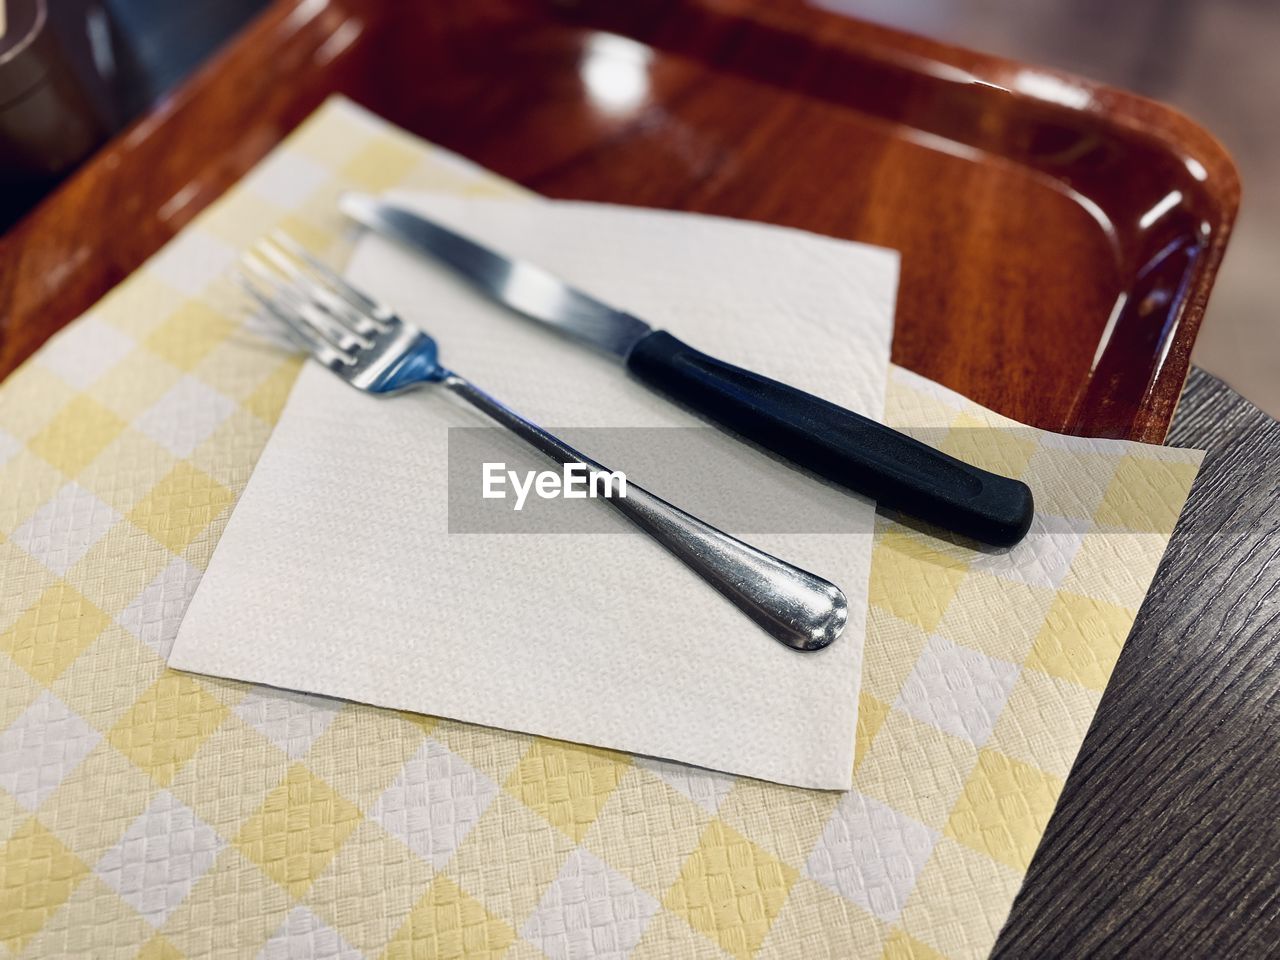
(337, 574)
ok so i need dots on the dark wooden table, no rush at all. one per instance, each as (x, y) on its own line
(1166, 840)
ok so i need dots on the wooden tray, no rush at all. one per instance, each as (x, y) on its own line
(1058, 238)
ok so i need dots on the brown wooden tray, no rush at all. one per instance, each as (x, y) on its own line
(1059, 238)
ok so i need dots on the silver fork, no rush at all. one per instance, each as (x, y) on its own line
(369, 347)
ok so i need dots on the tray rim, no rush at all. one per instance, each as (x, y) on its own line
(1170, 127)
(41, 229)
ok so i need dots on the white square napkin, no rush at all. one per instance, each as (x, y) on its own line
(337, 573)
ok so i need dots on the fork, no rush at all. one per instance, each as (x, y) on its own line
(368, 346)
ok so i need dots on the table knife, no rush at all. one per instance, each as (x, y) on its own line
(897, 471)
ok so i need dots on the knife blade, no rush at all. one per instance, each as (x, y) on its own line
(845, 447)
(523, 287)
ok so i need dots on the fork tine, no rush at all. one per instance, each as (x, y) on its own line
(274, 304)
(301, 275)
(295, 332)
(252, 264)
(364, 304)
(281, 293)
(306, 300)
(312, 337)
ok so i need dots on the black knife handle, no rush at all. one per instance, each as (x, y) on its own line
(877, 461)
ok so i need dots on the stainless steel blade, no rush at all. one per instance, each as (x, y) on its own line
(521, 286)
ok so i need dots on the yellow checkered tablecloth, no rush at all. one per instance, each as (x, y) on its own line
(149, 813)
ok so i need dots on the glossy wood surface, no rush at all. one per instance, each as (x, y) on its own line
(1058, 238)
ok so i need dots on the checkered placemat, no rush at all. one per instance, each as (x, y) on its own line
(149, 813)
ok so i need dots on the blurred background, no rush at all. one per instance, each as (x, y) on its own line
(1214, 59)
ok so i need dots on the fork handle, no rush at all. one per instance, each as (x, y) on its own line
(795, 607)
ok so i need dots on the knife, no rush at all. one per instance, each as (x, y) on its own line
(897, 471)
